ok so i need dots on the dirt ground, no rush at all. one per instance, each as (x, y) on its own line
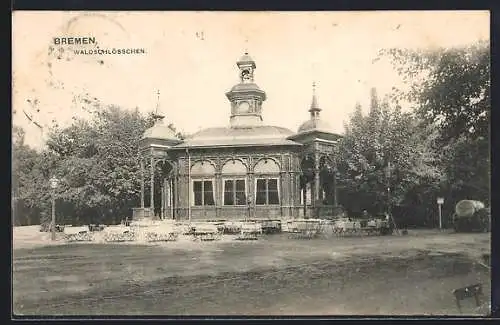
(275, 275)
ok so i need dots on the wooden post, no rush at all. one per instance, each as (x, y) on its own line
(440, 218)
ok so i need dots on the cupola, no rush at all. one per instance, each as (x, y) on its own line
(315, 123)
(246, 97)
(160, 134)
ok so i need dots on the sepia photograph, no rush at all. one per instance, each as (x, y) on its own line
(260, 163)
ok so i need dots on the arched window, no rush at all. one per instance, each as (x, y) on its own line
(267, 189)
(202, 178)
(234, 182)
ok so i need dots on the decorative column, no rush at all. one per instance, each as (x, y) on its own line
(316, 178)
(250, 195)
(304, 198)
(334, 184)
(166, 205)
(291, 191)
(283, 193)
(142, 184)
(171, 197)
(175, 199)
(298, 196)
(162, 208)
(218, 193)
(152, 181)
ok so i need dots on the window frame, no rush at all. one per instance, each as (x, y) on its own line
(234, 179)
(192, 192)
(278, 187)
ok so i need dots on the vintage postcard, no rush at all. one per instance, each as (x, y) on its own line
(251, 163)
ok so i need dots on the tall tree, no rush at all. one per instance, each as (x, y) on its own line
(450, 88)
(29, 180)
(99, 163)
(96, 160)
(385, 137)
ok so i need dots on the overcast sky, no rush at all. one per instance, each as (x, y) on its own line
(191, 58)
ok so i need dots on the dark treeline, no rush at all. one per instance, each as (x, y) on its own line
(438, 148)
(96, 161)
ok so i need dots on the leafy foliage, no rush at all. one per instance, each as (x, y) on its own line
(450, 88)
(386, 148)
(96, 161)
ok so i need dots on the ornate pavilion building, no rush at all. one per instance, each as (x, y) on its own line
(246, 170)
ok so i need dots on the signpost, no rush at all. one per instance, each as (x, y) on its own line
(440, 202)
(54, 182)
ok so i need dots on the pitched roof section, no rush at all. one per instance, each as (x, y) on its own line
(240, 137)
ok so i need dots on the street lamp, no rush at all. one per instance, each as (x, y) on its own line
(54, 182)
(388, 179)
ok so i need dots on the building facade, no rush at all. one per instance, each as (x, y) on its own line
(248, 170)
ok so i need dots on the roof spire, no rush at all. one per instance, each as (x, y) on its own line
(157, 114)
(314, 104)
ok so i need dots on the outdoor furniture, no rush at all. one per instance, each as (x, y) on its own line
(304, 229)
(77, 234)
(346, 226)
(119, 234)
(46, 227)
(249, 231)
(161, 237)
(161, 234)
(475, 291)
(206, 232)
(231, 228)
(93, 227)
(271, 226)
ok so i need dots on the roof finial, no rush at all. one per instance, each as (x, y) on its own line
(157, 115)
(314, 104)
(246, 46)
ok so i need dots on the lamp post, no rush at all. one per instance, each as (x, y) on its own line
(54, 182)
(189, 184)
(440, 202)
(388, 176)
